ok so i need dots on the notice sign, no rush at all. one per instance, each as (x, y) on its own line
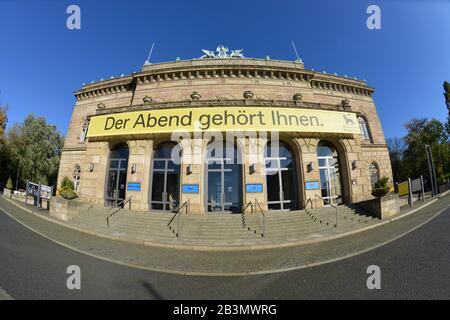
(254, 188)
(223, 119)
(416, 185)
(403, 188)
(312, 185)
(134, 186)
(190, 188)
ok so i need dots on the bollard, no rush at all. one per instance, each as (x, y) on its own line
(422, 188)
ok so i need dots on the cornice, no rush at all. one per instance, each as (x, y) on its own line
(374, 145)
(221, 69)
(83, 148)
(214, 103)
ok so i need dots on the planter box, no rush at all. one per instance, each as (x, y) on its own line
(382, 208)
(65, 210)
(7, 193)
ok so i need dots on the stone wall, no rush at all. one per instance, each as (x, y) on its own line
(65, 210)
(382, 208)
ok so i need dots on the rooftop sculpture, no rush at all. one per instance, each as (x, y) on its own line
(222, 53)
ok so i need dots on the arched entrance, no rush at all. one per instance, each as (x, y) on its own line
(330, 173)
(165, 178)
(117, 174)
(282, 189)
(224, 178)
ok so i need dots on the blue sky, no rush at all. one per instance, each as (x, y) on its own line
(42, 62)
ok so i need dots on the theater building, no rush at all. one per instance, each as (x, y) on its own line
(243, 130)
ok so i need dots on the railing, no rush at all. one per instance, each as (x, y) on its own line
(310, 202)
(244, 207)
(119, 206)
(331, 205)
(257, 205)
(253, 209)
(176, 217)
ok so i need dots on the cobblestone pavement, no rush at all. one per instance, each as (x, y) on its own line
(217, 232)
(414, 266)
(240, 262)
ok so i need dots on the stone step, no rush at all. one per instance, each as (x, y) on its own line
(268, 225)
(342, 220)
(226, 228)
(340, 213)
(287, 229)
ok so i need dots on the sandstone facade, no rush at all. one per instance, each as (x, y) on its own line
(223, 82)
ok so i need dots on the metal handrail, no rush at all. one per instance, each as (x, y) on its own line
(119, 206)
(309, 201)
(177, 216)
(263, 217)
(335, 207)
(246, 206)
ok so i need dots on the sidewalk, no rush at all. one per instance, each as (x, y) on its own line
(150, 230)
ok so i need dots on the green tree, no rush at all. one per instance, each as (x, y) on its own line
(34, 149)
(447, 102)
(4, 155)
(419, 133)
(9, 184)
(447, 94)
(396, 147)
(3, 120)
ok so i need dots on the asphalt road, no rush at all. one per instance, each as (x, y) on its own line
(416, 266)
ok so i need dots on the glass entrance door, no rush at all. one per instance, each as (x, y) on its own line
(117, 179)
(224, 186)
(280, 178)
(166, 180)
(330, 176)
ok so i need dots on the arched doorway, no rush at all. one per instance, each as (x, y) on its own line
(330, 173)
(117, 174)
(224, 178)
(165, 178)
(282, 189)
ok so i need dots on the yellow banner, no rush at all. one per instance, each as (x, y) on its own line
(223, 119)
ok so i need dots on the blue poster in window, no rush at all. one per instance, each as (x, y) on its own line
(134, 186)
(254, 188)
(190, 188)
(312, 185)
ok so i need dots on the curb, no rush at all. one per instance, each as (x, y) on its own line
(193, 247)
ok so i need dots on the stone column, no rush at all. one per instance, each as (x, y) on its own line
(310, 170)
(193, 173)
(253, 158)
(93, 184)
(357, 178)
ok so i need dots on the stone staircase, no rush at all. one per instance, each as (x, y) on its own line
(223, 229)
(348, 217)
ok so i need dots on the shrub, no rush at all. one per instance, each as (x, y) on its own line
(67, 189)
(67, 184)
(9, 184)
(381, 188)
(443, 179)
